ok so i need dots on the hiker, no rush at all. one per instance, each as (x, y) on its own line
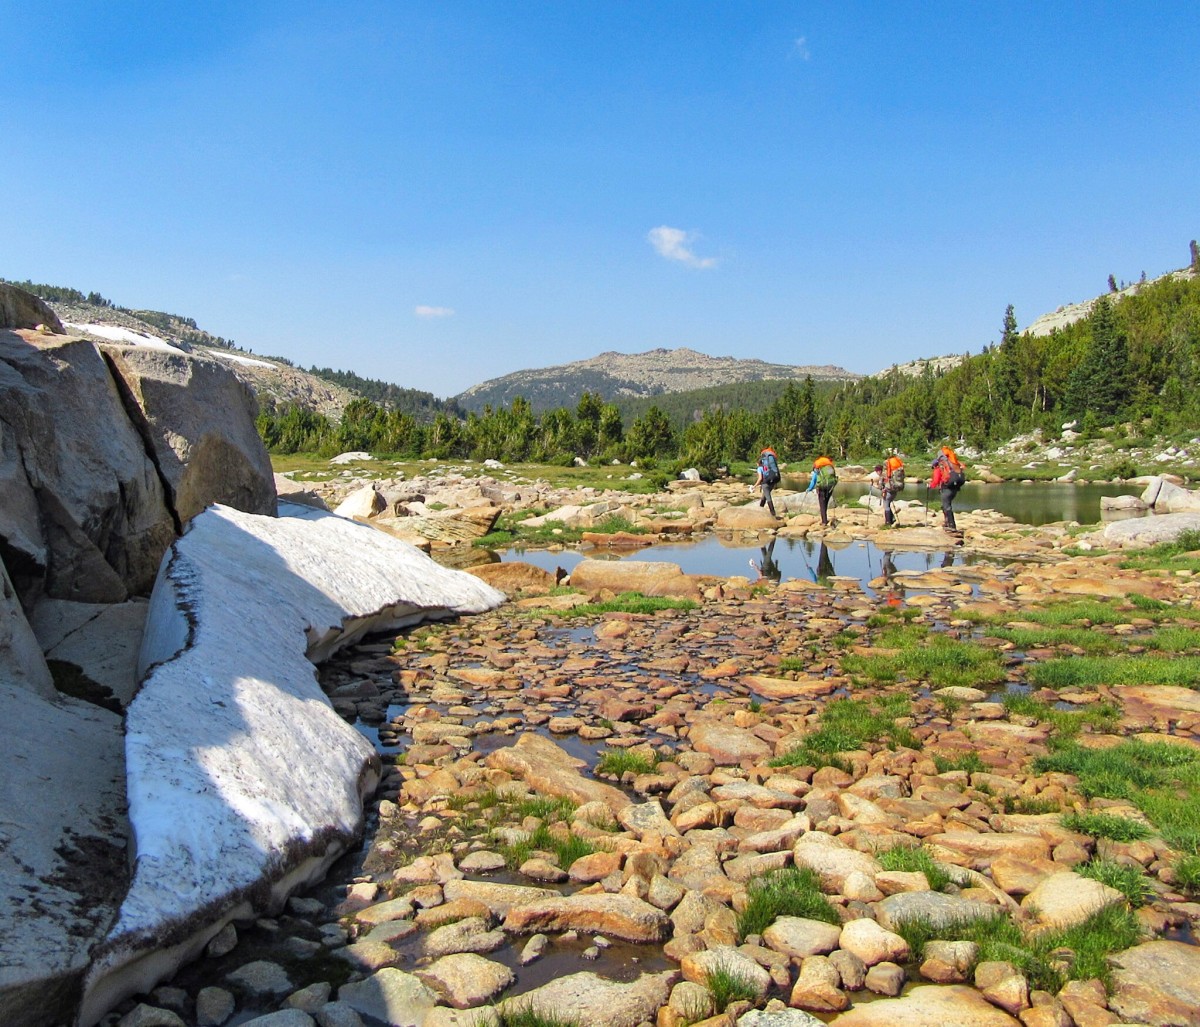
(767, 478)
(824, 478)
(893, 482)
(949, 477)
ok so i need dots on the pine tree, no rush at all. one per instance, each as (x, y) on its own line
(1099, 385)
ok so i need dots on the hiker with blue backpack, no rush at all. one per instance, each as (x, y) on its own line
(824, 478)
(768, 477)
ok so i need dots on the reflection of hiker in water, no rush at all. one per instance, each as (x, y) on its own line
(824, 564)
(887, 568)
(766, 566)
(948, 559)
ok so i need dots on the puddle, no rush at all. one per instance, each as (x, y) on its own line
(1185, 932)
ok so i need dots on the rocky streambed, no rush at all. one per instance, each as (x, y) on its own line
(589, 818)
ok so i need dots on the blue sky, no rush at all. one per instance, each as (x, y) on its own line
(438, 193)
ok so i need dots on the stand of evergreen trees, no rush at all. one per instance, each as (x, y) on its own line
(1135, 358)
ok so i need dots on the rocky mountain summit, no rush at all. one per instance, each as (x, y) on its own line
(651, 373)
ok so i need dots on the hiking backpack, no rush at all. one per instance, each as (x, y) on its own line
(895, 480)
(826, 476)
(770, 469)
(956, 477)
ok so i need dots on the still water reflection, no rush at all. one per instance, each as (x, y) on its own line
(776, 559)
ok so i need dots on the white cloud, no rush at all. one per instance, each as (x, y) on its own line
(800, 48)
(428, 312)
(675, 244)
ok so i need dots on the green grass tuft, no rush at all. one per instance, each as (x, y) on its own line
(911, 859)
(1160, 779)
(971, 762)
(937, 659)
(628, 602)
(1091, 671)
(792, 891)
(1130, 881)
(850, 724)
(515, 1014)
(1067, 723)
(1187, 873)
(726, 985)
(619, 761)
(1036, 956)
(1106, 825)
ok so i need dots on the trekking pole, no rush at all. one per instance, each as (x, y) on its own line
(806, 563)
(926, 504)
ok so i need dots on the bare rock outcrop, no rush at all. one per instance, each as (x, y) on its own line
(84, 517)
(171, 398)
(106, 452)
(20, 309)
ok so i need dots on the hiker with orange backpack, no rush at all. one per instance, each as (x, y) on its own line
(891, 482)
(948, 476)
(824, 478)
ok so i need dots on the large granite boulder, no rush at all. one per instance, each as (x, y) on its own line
(106, 451)
(21, 309)
(62, 848)
(198, 419)
(84, 516)
(1143, 532)
(1157, 982)
(649, 577)
(1167, 497)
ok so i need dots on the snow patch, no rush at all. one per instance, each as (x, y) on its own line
(237, 358)
(243, 782)
(114, 333)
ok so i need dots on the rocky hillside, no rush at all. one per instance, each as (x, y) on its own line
(273, 381)
(614, 375)
(1072, 312)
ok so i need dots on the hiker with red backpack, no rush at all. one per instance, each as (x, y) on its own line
(768, 477)
(824, 478)
(948, 476)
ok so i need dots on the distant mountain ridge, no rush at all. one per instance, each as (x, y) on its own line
(613, 376)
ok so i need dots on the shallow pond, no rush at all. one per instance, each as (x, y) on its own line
(776, 558)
